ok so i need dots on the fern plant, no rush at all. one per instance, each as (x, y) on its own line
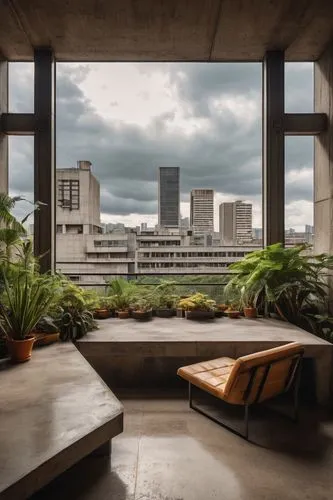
(284, 280)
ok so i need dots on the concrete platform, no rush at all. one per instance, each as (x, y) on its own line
(169, 452)
(130, 353)
(55, 410)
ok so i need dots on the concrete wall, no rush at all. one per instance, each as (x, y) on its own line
(323, 171)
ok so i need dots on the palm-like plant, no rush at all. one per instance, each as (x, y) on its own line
(122, 293)
(283, 278)
(27, 299)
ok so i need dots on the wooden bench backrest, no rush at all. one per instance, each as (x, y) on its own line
(263, 375)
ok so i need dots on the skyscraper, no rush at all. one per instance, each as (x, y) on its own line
(226, 214)
(168, 197)
(202, 211)
(236, 223)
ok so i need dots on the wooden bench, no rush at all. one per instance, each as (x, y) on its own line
(248, 380)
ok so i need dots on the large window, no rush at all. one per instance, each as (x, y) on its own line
(69, 194)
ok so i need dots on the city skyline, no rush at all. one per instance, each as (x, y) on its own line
(204, 118)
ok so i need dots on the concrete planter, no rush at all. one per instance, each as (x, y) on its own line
(199, 315)
(142, 315)
(165, 313)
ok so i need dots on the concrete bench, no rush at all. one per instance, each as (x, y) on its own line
(55, 410)
(132, 354)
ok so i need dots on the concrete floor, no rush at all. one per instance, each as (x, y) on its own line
(169, 452)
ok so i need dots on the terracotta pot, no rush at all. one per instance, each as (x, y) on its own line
(123, 314)
(250, 312)
(233, 314)
(222, 307)
(102, 313)
(20, 350)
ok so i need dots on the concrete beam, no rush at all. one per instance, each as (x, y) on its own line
(44, 161)
(17, 123)
(3, 138)
(305, 123)
(273, 148)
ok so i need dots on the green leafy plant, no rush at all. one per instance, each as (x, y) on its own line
(75, 318)
(104, 302)
(27, 299)
(142, 304)
(286, 281)
(197, 302)
(12, 231)
(165, 296)
(122, 293)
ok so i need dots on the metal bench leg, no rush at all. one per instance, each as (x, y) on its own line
(244, 434)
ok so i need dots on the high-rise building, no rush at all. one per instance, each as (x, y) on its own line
(309, 229)
(236, 223)
(168, 197)
(226, 214)
(202, 211)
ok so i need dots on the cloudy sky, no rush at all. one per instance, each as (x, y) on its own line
(128, 119)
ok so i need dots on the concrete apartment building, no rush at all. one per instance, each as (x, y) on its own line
(236, 223)
(168, 197)
(202, 211)
(82, 247)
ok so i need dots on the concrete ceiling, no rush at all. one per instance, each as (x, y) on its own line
(165, 30)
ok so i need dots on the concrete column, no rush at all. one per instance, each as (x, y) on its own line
(44, 163)
(273, 148)
(3, 137)
(323, 156)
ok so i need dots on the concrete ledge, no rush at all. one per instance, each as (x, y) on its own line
(129, 354)
(55, 411)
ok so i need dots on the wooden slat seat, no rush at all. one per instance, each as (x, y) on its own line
(249, 379)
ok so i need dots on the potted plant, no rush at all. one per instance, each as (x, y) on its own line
(249, 300)
(142, 309)
(75, 312)
(121, 294)
(103, 308)
(288, 282)
(233, 311)
(165, 299)
(27, 299)
(198, 307)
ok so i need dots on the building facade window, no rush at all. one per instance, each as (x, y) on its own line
(69, 194)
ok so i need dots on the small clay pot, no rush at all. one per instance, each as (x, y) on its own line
(20, 350)
(250, 312)
(123, 314)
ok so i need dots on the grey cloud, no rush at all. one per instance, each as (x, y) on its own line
(125, 158)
